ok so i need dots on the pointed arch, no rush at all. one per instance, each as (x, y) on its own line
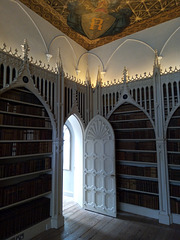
(73, 179)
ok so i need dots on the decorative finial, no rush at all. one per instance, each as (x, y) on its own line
(125, 73)
(25, 49)
(88, 78)
(157, 59)
(99, 78)
(59, 60)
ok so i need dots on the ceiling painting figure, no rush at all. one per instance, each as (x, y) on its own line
(95, 19)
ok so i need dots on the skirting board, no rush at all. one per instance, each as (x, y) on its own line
(176, 218)
(146, 212)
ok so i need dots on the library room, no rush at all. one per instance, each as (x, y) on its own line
(89, 120)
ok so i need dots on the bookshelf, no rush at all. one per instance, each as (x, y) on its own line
(173, 150)
(136, 161)
(25, 162)
(18, 218)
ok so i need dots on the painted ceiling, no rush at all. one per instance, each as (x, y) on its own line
(93, 23)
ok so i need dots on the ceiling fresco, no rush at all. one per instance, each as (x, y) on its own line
(93, 23)
(95, 19)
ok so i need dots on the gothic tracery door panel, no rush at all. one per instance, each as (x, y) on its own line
(99, 167)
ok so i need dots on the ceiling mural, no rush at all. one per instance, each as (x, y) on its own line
(96, 19)
(92, 23)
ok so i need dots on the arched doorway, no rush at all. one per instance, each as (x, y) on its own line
(73, 169)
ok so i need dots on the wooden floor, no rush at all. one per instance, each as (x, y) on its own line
(84, 225)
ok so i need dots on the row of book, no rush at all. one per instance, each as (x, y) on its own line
(126, 107)
(136, 156)
(175, 190)
(24, 148)
(127, 115)
(134, 134)
(128, 111)
(137, 171)
(173, 133)
(25, 134)
(175, 206)
(132, 124)
(174, 158)
(174, 174)
(136, 184)
(24, 190)
(139, 199)
(174, 121)
(173, 146)
(21, 217)
(21, 95)
(136, 145)
(15, 120)
(24, 167)
(15, 107)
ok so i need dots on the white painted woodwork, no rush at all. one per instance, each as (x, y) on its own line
(99, 182)
(99, 167)
(146, 212)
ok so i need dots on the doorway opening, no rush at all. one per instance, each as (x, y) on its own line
(73, 160)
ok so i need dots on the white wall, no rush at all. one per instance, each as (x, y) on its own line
(78, 158)
(18, 22)
(68, 175)
(136, 52)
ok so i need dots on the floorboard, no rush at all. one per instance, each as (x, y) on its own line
(80, 224)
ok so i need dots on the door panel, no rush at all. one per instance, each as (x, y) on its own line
(99, 167)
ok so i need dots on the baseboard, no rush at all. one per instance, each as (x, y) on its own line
(142, 211)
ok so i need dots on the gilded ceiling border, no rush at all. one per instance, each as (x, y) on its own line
(53, 17)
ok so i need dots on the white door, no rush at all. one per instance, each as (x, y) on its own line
(99, 167)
